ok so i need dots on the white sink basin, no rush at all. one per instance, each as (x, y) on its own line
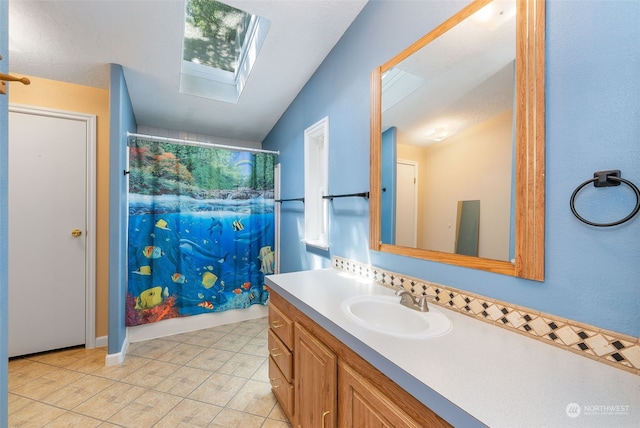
(385, 314)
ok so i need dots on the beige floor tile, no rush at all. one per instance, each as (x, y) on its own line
(183, 381)
(242, 365)
(256, 346)
(218, 389)
(109, 401)
(62, 376)
(48, 383)
(205, 340)
(180, 337)
(210, 359)
(137, 348)
(225, 328)
(182, 353)
(151, 373)
(77, 392)
(130, 365)
(273, 423)
(145, 410)
(90, 363)
(228, 418)
(19, 363)
(83, 353)
(262, 374)
(248, 329)
(261, 321)
(212, 367)
(277, 413)
(16, 402)
(23, 371)
(255, 398)
(189, 413)
(151, 348)
(73, 420)
(34, 415)
(264, 333)
(61, 358)
(231, 342)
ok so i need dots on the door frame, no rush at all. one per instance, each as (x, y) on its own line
(276, 214)
(414, 164)
(90, 208)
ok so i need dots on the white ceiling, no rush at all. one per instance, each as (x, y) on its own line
(468, 76)
(75, 41)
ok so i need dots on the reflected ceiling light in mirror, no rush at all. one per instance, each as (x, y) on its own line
(439, 134)
(439, 129)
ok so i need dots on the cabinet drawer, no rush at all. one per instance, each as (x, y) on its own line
(282, 389)
(281, 356)
(281, 325)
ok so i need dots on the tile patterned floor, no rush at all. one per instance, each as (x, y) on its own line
(217, 377)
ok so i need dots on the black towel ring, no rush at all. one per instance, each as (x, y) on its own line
(606, 179)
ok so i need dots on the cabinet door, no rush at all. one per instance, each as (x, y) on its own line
(315, 368)
(362, 405)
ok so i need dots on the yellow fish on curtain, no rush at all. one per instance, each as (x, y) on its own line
(201, 230)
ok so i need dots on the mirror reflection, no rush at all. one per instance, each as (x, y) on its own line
(457, 142)
(447, 170)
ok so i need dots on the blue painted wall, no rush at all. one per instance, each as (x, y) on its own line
(4, 214)
(388, 172)
(592, 114)
(122, 120)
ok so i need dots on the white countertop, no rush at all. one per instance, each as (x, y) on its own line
(477, 374)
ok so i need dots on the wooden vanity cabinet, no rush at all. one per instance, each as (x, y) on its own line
(316, 381)
(326, 372)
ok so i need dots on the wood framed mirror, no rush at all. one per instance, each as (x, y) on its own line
(420, 78)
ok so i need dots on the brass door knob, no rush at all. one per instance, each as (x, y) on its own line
(76, 232)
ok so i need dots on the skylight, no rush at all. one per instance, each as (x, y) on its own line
(397, 84)
(220, 46)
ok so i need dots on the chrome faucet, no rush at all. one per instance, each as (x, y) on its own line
(410, 301)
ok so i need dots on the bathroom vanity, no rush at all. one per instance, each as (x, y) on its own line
(332, 386)
(327, 370)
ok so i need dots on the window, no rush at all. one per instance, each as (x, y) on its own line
(220, 46)
(316, 184)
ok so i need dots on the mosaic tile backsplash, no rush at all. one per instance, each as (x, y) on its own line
(615, 349)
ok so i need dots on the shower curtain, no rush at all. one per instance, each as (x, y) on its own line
(201, 230)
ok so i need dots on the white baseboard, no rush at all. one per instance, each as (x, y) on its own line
(115, 359)
(179, 325)
(197, 322)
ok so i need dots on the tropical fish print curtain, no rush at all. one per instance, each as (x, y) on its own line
(201, 230)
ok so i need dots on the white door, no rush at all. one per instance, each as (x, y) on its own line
(47, 231)
(406, 204)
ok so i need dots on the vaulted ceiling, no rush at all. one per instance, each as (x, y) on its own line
(75, 41)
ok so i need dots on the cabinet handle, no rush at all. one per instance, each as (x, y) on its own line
(276, 324)
(274, 350)
(323, 415)
(274, 386)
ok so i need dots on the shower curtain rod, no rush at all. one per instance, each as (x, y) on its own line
(199, 143)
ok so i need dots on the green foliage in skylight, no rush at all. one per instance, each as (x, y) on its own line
(214, 34)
